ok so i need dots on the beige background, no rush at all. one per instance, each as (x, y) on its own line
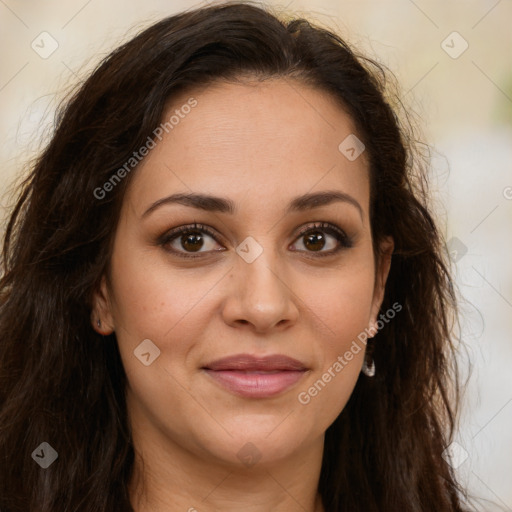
(466, 107)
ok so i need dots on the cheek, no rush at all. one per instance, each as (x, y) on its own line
(152, 300)
(342, 311)
(342, 303)
(170, 308)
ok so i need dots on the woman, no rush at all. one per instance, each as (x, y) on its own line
(223, 286)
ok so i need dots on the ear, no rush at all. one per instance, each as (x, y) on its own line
(101, 315)
(381, 275)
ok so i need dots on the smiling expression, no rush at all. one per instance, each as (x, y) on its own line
(244, 253)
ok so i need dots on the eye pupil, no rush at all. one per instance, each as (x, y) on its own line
(315, 241)
(192, 241)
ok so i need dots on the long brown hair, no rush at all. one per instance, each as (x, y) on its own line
(62, 383)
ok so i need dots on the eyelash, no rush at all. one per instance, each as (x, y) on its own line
(345, 242)
(331, 229)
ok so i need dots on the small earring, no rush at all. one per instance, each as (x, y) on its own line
(98, 322)
(369, 371)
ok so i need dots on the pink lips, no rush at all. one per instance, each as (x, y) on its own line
(256, 377)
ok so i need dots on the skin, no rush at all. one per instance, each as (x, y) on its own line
(259, 144)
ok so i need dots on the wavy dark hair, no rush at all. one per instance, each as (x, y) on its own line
(63, 383)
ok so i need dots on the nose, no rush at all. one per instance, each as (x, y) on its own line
(259, 297)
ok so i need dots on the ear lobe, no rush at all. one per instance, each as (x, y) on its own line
(101, 314)
(382, 271)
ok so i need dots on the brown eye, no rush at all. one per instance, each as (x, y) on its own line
(192, 242)
(186, 240)
(314, 241)
(324, 235)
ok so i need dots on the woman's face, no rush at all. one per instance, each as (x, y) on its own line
(281, 284)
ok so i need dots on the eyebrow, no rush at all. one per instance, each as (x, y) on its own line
(223, 205)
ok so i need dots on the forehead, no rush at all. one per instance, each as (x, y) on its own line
(263, 140)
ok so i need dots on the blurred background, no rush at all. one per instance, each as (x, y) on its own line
(453, 62)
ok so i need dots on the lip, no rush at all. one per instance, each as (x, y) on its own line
(256, 377)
